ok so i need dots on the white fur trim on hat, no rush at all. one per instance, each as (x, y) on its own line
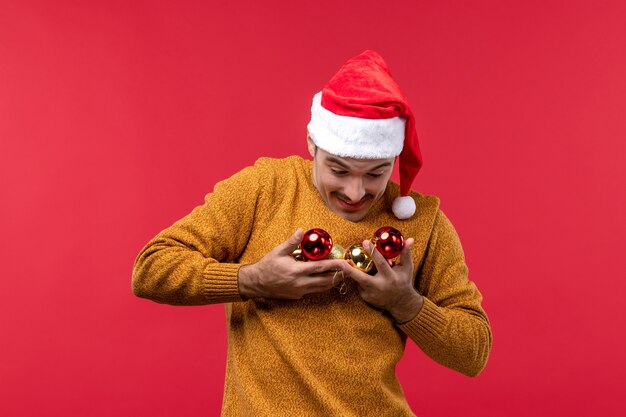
(403, 207)
(354, 137)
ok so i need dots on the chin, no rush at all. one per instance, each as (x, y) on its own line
(353, 216)
(350, 216)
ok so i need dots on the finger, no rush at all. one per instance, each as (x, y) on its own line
(324, 265)
(357, 275)
(406, 259)
(318, 283)
(290, 244)
(381, 263)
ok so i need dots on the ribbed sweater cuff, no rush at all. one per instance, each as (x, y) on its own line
(429, 323)
(221, 283)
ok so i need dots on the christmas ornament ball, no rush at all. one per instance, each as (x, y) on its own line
(337, 252)
(357, 256)
(297, 254)
(316, 244)
(388, 241)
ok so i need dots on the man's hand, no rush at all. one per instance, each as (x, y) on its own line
(279, 275)
(391, 288)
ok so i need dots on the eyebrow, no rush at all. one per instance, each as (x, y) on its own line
(343, 164)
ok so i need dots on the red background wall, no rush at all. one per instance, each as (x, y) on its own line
(117, 117)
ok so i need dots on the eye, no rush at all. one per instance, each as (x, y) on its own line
(374, 175)
(338, 172)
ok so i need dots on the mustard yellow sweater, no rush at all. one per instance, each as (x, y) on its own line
(329, 353)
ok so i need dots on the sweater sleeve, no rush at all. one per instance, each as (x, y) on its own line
(194, 261)
(451, 328)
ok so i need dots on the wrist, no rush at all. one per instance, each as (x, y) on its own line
(245, 280)
(407, 310)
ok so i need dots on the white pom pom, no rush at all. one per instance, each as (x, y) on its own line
(403, 207)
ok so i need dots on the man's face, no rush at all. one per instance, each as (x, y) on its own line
(349, 186)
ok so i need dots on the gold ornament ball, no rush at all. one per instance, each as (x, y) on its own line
(337, 252)
(357, 256)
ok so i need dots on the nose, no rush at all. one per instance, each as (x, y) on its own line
(354, 189)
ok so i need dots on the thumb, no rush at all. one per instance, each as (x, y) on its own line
(291, 243)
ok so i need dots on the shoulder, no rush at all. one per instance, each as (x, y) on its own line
(267, 169)
(268, 177)
(427, 206)
(425, 203)
(283, 172)
(293, 162)
(263, 183)
(427, 209)
(430, 226)
(419, 226)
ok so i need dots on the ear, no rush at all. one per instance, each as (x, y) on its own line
(310, 145)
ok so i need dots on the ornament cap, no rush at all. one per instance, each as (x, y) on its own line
(403, 207)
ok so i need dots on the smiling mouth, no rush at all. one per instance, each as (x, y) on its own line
(353, 206)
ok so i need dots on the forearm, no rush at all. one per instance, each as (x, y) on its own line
(456, 338)
(451, 327)
(193, 261)
(167, 273)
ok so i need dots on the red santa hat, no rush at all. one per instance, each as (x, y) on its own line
(361, 113)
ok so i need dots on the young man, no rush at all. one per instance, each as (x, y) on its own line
(322, 337)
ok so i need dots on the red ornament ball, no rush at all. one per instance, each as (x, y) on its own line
(388, 241)
(316, 244)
